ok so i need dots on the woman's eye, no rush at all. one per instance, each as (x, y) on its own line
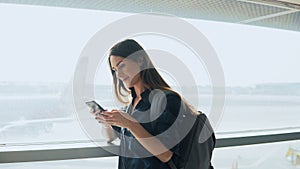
(121, 66)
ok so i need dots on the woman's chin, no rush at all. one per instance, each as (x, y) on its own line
(128, 85)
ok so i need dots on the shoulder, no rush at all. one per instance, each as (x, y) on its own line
(171, 93)
(164, 96)
(172, 97)
(165, 101)
(173, 101)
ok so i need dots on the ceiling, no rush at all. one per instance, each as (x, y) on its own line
(282, 14)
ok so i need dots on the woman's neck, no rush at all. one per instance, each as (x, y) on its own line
(139, 88)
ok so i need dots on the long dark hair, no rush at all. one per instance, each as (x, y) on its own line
(149, 75)
(130, 49)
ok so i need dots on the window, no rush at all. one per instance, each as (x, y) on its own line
(41, 47)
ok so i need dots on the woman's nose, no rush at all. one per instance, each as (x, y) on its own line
(119, 74)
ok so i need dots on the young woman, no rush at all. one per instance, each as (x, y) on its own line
(134, 74)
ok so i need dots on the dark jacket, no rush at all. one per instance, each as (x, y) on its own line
(156, 112)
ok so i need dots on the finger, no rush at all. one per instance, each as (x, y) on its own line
(114, 111)
(102, 113)
(104, 121)
(107, 113)
(109, 118)
(94, 112)
(111, 123)
(100, 120)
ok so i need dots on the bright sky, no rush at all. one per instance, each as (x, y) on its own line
(42, 44)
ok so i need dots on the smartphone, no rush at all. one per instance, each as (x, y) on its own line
(95, 106)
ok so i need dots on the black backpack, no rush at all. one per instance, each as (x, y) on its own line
(196, 139)
(197, 145)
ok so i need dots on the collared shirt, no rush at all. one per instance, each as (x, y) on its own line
(156, 112)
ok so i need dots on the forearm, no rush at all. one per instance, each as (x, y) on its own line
(150, 142)
(110, 133)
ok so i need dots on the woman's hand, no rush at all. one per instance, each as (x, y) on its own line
(93, 112)
(99, 116)
(118, 118)
(110, 134)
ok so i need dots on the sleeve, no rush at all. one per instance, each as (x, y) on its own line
(164, 128)
(117, 130)
(168, 114)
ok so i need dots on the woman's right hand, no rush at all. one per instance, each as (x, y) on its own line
(110, 134)
(99, 117)
(93, 112)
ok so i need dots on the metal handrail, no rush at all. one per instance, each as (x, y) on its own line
(111, 149)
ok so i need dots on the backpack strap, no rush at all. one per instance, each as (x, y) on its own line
(171, 164)
(191, 137)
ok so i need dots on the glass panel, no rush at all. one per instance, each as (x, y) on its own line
(284, 155)
(94, 163)
(258, 112)
(37, 66)
(260, 68)
(40, 52)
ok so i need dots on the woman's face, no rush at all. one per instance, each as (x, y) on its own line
(126, 70)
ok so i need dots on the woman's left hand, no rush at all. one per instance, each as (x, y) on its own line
(118, 118)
